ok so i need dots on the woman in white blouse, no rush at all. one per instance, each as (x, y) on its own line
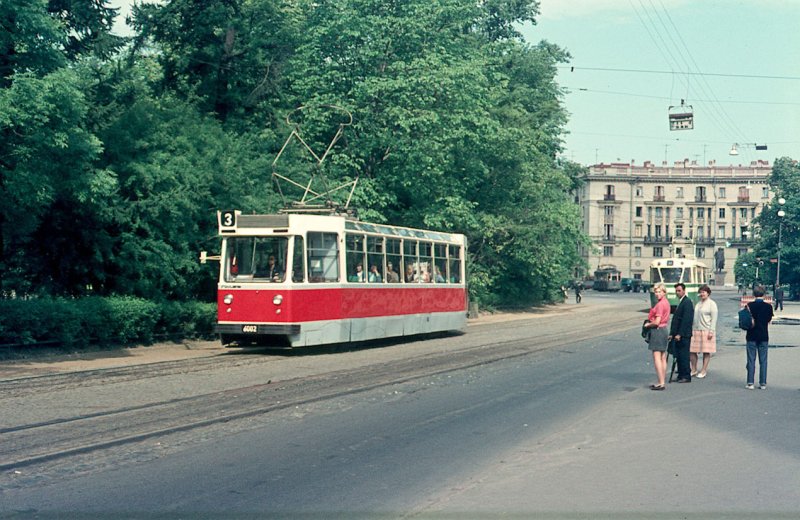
(704, 331)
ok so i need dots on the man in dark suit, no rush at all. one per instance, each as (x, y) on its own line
(680, 332)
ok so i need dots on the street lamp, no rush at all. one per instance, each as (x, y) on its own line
(781, 214)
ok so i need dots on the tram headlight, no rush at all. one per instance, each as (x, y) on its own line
(228, 299)
(277, 299)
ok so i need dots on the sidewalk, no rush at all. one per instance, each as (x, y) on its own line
(784, 331)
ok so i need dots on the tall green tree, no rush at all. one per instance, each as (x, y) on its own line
(785, 180)
(227, 56)
(52, 189)
(457, 127)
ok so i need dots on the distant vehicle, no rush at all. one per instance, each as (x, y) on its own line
(607, 278)
(587, 284)
(633, 285)
(670, 271)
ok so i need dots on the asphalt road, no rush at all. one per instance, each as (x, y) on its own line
(546, 416)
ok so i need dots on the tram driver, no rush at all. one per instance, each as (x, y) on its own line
(272, 270)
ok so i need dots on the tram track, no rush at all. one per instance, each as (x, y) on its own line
(34, 443)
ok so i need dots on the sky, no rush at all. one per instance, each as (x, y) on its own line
(736, 63)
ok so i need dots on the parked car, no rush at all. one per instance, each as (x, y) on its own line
(627, 284)
(634, 285)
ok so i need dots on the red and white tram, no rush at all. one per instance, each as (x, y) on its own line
(297, 280)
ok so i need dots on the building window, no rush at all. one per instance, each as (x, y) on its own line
(637, 251)
(720, 231)
(721, 212)
(743, 213)
(701, 252)
(608, 250)
(659, 212)
(678, 212)
(744, 194)
(722, 192)
(637, 230)
(700, 194)
(658, 231)
(639, 211)
(701, 212)
(678, 231)
(765, 193)
(659, 193)
(608, 231)
(609, 194)
(741, 251)
(679, 192)
(658, 252)
(639, 191)
(609, 210)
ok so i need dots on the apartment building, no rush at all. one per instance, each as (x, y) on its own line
(637, 213)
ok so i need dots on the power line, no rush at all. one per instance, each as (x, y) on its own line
(573, 68)
(632, 94)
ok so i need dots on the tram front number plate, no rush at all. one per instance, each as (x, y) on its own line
(249, 329)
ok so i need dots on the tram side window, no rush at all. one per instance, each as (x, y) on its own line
(410, 262)
(375, 259)
(455, 264)
(298, 260)
(425, 262)
(257, 259)
(394, 260)
(355, 259)
(323, 257)
(440, 263)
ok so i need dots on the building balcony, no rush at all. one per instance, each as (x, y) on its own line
(659, 198)
(700, 198)
(704, 241)
(609, 196)
(608, 239)
(743, 199)
(649, 240)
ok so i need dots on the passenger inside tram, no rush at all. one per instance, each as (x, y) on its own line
(374, 276)
(391, 274)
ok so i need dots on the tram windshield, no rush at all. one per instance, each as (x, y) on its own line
(667, 274)
(256, 259)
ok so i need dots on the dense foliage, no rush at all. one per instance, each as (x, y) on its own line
(101, 321)
(115, 157)
(785, 179)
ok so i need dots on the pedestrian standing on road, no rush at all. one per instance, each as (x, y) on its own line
(758, 339)
(578, 289)
(681, 332)
(657, 321)
(704, 331)
(777, 295)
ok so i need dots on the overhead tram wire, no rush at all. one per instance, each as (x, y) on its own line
(665, 98)
(645, 71)
(665, 53)
(716, 104)
(670, 58)
(715, 113)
